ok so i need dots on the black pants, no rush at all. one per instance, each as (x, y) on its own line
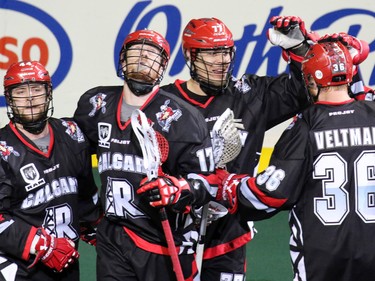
(231, 266)
(119, 259)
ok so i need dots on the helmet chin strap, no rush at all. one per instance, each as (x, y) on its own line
(139, 88)
(315, 98)
(211, 90)
(208, 89)
(35, 128)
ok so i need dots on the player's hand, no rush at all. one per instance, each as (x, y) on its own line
(56, 253)
(358, 49)
(165, 191)
(88, 232)
(228, 188)
(287, 32)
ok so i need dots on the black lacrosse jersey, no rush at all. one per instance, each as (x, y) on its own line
(55, 190)
(322, 169)
(120, 160)
(261, 102)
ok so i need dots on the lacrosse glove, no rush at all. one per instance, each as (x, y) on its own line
(358, 49)
(290, 34)
(88, 232)
(56, 253)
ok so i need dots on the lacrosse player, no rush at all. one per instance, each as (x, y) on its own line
(131, 244)
(261, 102)
(322, 170)
(46, 182)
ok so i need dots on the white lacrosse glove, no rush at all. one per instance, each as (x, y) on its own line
(226, 139)
(290, 34)
(287, 32)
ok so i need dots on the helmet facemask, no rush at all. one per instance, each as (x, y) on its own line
(142, 65)
(211, 68)
(30, 104)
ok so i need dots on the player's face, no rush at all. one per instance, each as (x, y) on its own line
(312, 87)
(143, 62)
(29, 101)
(213, 65)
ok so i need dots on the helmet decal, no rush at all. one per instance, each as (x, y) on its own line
(329, 64)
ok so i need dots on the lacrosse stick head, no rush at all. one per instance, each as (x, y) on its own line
(163, 147)
(226, 139)
(153, 144)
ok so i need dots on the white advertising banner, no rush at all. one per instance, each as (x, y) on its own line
(79, 41)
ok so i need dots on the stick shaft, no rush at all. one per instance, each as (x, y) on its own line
(202, 236)
(171, 245)
(143, 132)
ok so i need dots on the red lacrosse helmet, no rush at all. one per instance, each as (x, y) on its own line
(329, 64)
(149, 37)
(204, 36)
(28, 73)
(25, 72)
(144, 83)
(206, 33)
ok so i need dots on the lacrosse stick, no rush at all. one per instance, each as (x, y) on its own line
(155, 151)
(226, 144)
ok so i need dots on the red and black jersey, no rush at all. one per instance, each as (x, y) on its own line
(120, 160)
(54, 190)
(322, 169)
(261, 102)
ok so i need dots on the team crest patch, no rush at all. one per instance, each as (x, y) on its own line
(73, 131)
(6, 151)
(294, 121)
(98, 103)
(242, 86)
(167, 116)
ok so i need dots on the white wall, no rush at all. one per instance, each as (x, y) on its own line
(79, 40)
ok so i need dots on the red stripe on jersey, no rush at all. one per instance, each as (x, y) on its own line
(147, 246)
(265, 199)
(29, 240)
(222, 249)
(190, 100)
(31, 146)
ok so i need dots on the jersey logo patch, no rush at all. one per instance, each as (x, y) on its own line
(167, 116)
(31, 176)
(294, 121)
(73, 131)
(242, 86)
(98, 103)
(104, 134)
(6, 151)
